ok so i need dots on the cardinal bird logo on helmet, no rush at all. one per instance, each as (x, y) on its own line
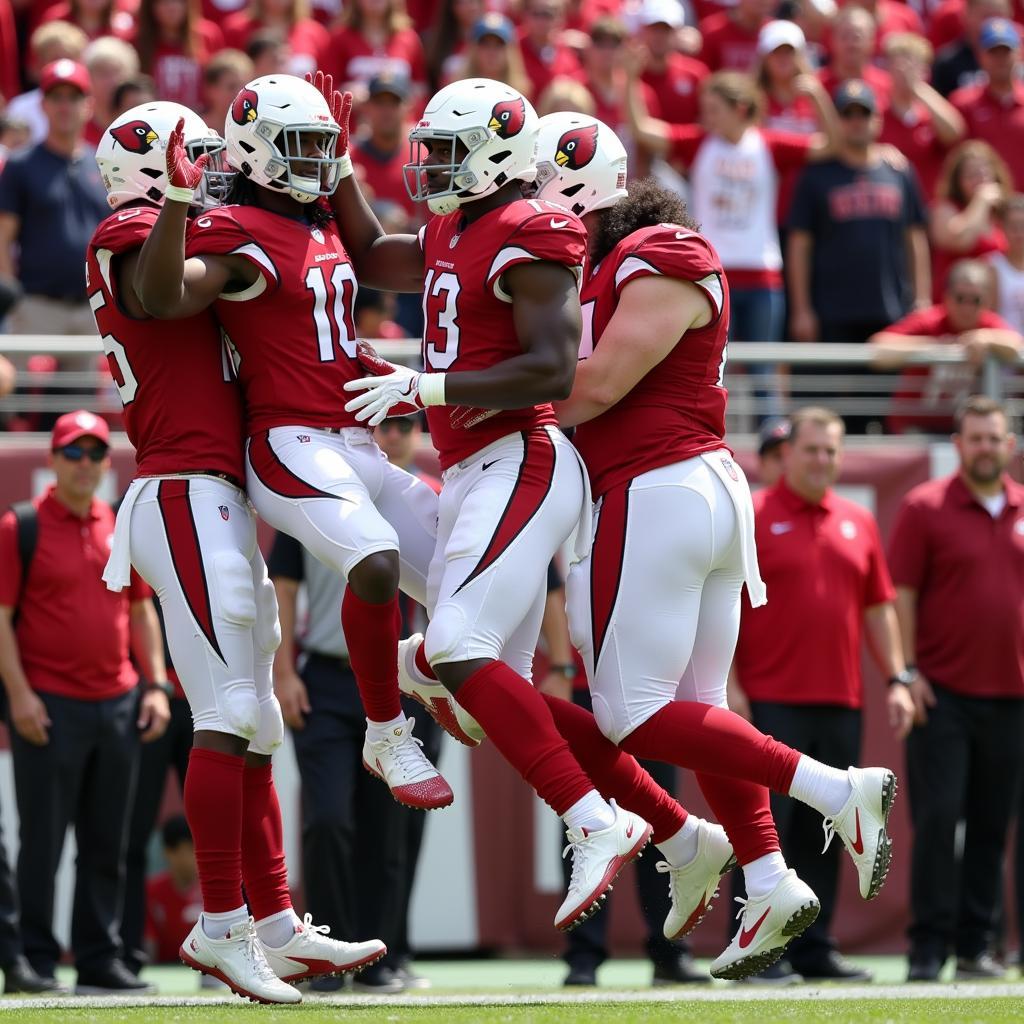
(135, 136)
(576, 148)
(243, 110)
(508, 118)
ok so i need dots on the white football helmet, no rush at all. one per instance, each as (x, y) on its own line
(131, 154)
(267, 128)
(581, 163)
(497, 128)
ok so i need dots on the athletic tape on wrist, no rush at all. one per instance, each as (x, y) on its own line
(432, 388)
(345, 167)
(179, 194)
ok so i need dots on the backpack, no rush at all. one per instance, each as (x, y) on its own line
(27, 521)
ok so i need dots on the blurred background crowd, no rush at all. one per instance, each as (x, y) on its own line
(843, 159)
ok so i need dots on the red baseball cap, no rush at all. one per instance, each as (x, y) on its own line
(65, 72)
(73, 426)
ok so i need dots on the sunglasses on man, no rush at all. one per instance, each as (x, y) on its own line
(75, 453)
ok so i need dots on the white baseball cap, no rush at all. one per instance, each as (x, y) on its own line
(669, 12)
(780, 33)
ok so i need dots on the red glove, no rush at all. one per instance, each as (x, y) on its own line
(466, 417)
(182, 173)
(340, 104)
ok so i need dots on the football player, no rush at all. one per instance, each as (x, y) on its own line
(186, 526)
(275, 272)
(657, 599)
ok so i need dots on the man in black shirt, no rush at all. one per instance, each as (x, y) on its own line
(957, 63)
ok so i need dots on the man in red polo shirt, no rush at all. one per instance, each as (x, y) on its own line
(957, 556)
(730, 36)
(994, 109)
(544, 57)
(673, 77)
(798, 658)
(76, 710)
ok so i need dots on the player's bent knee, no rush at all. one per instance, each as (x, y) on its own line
(239, 708)
(445, 637)
(235, 592)
(268, 627)
(270, 734)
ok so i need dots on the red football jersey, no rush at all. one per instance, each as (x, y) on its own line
(468, 321)
(182, 408)
(292, 332)
(678, 410)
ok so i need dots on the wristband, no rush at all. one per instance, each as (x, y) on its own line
(179, 194)
(431, 389)
(568, 670)
(904, 678)
(344, 166)
(166, 687)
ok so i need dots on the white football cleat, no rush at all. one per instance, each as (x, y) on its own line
(237, 960)
(309, 953)
(861, 825)
(694, 886)
(442, 707)
(399, 761)
(767, 925)
(597, 857)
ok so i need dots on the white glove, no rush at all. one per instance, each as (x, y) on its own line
(392, 391)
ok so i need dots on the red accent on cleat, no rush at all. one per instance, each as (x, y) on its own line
(747, 936)
(423, 796)
(325, 968)
(220, 976)
(858, 843)
(441, 711)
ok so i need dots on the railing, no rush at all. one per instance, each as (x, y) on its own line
(763, 379)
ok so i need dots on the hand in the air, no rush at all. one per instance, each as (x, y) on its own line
(182, 172)
(340, 104)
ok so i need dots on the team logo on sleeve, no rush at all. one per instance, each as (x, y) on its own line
(576, 148)
(225, 512)
(508, 118)
(135, 136)
(243, 110)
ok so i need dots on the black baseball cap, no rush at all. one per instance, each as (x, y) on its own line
(391, 83)
(855, 93)
(772, 434)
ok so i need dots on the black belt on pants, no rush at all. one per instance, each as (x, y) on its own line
(329, 660)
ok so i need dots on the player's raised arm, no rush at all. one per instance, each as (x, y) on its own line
(168, 285)
(387, 262)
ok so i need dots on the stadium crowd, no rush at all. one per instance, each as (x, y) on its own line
(841, 159)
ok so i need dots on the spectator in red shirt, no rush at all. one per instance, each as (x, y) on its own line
(173, 899)
(449, 37)
(307, 38)
(604, 75)
(957, 557)
(75, 706)
(919, 122)
(890, 17)
(174, 43)
(111, 62)
(223, 79)
(965, 221)
(493, 52)
(853, 47)
(964, 317)
(730, 36)
(380, 151)
(95, 18)
(673, 77)
(798, 660)
(376, 35)
(544, 56)
(994, 109)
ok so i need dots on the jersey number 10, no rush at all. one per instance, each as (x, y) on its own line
(332, 309)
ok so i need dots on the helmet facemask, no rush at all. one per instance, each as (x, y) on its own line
(419, 173)
(306, 177)
(217, 176)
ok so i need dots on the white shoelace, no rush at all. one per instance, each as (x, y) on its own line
(829, 827)
(743, 907)
(254, 953)
(410, 759)
(575, 847)
(309, 930)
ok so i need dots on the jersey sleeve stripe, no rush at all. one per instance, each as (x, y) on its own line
(710, 284)
(252, 252)
(510, 256)
(275, 475)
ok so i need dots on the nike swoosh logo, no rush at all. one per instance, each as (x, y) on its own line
(858, 844)
(487, 465)
(556, 224)
(683, 234)
(629, 831)
(746, 937)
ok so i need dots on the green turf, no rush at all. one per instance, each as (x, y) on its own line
(962, 1011)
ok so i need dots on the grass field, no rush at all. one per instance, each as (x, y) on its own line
(529, 992)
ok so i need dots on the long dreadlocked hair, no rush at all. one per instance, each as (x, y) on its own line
(244, 192)
(648, 204)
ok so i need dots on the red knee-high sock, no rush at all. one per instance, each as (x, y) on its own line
(714, 740)
(744, 811)
(372, 632)
(422, 664)
(213, 807)
(519, 724)
(617, 775)
(263, 868)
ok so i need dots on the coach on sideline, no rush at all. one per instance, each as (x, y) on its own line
(957, 555)
(75, 707)
(799, 657)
